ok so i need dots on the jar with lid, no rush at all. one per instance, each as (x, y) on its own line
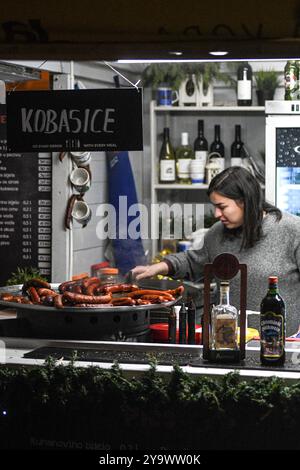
(109, 275)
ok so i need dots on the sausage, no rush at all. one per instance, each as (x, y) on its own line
(6, 297)
(142, 302)
(177, 292)
(33, 295)
(87, 282)
(93, 305)
(120, 288)
(44, 292)
(123, 301)
(156, 299)
(90, 290)
(139, 293)
(77, 289)
(68, 285)
(48, 300)
(89, 299)
(58, 301)
(35, 282)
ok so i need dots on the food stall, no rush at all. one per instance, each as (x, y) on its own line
(60, 386)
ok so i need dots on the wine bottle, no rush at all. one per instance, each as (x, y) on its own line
(184, 155)
(167, 172)
(272, 326)
(244, 85)
(201, 152)
(237, 153)
(291, 71)
(218, 147)
(224, 322)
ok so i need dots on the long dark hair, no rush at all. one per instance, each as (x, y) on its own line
(239, 184)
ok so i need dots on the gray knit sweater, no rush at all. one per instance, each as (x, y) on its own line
(277, 254)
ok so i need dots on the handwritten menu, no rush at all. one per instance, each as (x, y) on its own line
(25, 209)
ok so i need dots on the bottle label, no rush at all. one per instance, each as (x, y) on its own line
(201, 155)
(236, 161)
(167, 170)
(272, 335)
(244, 89)
(183, 168)
(290, 81)
(225, 333)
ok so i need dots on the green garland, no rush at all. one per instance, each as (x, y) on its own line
(66, 406)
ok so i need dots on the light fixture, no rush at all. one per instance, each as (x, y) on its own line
(176, 53)
(218, 53)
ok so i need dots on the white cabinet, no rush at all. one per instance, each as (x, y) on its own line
(184, 119)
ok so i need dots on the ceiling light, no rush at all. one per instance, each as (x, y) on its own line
(221, 53)
(176, 53)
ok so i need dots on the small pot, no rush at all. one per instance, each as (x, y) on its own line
(264, 95)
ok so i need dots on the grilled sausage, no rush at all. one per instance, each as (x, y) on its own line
(90, 290)
(6, 297)
(120, 301)
(87, 282)
(142, 302)
(35, 282)
(141, 292)
(86, 299)
(44, 292)
(33, 295)
(155, 299)
(58, 301)
(120, 288)
(68, 285)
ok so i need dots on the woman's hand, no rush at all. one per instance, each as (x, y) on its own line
(143, 272)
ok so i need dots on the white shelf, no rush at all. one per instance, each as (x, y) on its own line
(207, 109)
(181, 186)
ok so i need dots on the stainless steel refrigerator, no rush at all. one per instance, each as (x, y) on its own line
(283, 155)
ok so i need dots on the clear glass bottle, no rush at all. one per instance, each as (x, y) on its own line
(167, 160)
(224, 322)
(184, 155)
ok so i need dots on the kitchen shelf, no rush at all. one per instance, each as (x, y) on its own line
(181, 186)
(212, 109)
(175, 117)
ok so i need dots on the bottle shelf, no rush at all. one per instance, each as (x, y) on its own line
(212, 109)
(181, 186)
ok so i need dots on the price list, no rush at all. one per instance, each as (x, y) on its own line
(25, 209)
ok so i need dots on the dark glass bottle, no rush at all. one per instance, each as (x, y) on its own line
(200, 144)
(182, 325)
(244, 85)
(172, 326)
(272, 326)
(167, 173)
(237, 153)
(191, 316)
(218, 146)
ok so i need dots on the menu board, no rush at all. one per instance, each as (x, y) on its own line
(25, 209)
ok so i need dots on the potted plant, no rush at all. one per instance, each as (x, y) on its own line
(193, 80)
(266, 83)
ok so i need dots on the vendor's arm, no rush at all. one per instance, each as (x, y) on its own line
(188, 265)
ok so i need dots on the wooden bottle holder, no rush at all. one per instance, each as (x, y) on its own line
(224, 267)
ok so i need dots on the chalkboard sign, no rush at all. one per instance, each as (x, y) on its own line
(25, 209)
(78, 120)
